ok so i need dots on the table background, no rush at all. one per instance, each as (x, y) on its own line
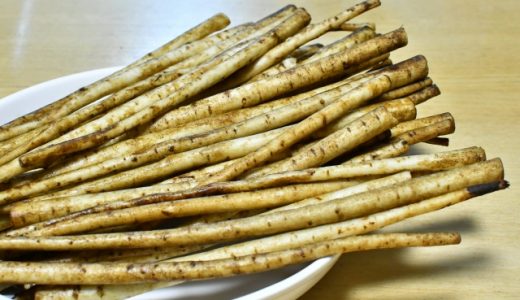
(472, 48)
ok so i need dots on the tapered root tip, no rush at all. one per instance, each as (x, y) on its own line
(482, 189)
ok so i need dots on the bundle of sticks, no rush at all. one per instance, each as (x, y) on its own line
(225, 152)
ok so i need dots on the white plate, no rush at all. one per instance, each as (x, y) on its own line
(286, 283)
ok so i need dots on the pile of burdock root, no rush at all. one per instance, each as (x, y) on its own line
(226, 152)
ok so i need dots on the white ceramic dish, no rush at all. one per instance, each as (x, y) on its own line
(286, 283)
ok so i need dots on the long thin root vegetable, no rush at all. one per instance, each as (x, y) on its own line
(113, 273)
(307, 34)
(226, 152)
(335, 144)
(303, 237)
(190, 84)
(403, 73)
(417, 163)
(298, 77)
(144, 67)
(189, 207)
(169, 165)
(366, 203)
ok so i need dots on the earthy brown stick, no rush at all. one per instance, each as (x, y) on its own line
(13, 151)
(190, 207)
(201, 78)
(406, 90)
(424, 94)
(239, 115)
(25, 213)
(415, 163)
(307, 34)
(156, 171)
(337, 143)
(118, 273)
(354, 189)
(347, 228)
(108, 84)
(346, 42)
(7, 146)
(401, 109)
(340, 45)
(209, 51)
(392, 149)
(31, 211)
(193, 34)
(311, 235)
(418, 123)
(428, 132)
(331, 211)
(356, 26)
(407, 71)
(301, 76)
(349, 191)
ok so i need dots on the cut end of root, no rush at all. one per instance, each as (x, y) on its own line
(439, 141)
(482, 189)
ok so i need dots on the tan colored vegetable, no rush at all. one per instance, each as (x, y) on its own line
(339, 45)
(400, 75)
(349, 191)
(392, 149)
(296, 78)
(406, 90)
(336, 144)
(9, 145)
(428, 132)
(401, 109)
(35, 210)
(309, 33)
(329, 212)
(356, 26)
(347, 228)
(356, 37)
(418, 123)
(193, 34)
(181, 208)
(109, 84)
(311, 235)
(156, 171)
(424, 94)
(113, 273)
(188, 85)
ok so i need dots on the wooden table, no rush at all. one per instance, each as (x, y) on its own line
(473, 51)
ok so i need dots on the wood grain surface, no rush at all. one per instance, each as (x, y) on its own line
(473, 50)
